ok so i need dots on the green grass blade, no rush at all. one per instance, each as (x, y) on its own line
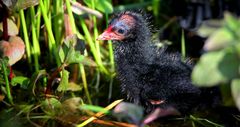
(9, 95)
(25, 34)
(48, 26)
(183, 48)
(36, 46)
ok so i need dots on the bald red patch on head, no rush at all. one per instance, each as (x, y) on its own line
(128, 19)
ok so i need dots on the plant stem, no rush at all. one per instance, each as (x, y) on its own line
(9, 95)
(85, 85)
(110, 49)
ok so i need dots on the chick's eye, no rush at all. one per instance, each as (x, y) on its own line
(120, 31)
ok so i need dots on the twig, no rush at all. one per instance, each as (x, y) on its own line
(112, 123)
(99, 114)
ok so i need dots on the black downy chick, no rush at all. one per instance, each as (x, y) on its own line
(150, 76)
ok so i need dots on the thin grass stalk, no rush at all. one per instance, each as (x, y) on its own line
(110, 50)
(50, 33)
(34, 33)
(58, 20)
(85, 84)
(183, 46)
(82, 70)
(92, 46)
(36, 47)
(70, 14)
(112, 64)
(9, 95)
(155, 5)
(95, 34)
(38, 21)
(97, 44)
(25, 35)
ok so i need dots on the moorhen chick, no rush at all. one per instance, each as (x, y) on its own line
(149, 75)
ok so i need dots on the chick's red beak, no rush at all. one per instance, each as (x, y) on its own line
(109, 34)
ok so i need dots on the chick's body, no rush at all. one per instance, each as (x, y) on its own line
(149, 76)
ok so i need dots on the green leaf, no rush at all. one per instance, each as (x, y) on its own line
(61, 54)
(87, 2)
(216, 67)
(231, 22)
(219, 40)
(104, 6)
(68, 51)
(208, 27)
(23, 81)
(74, 57)
(206, 72)
(64, 81)
(72, 86)
(235, 86)
(229, 64)
(25, 108)
(51, 106)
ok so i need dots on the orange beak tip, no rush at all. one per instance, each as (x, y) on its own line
(100, 37)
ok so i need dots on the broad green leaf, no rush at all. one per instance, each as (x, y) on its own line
(231, 22)
(229, 64)
(23, 81)
(216, 67)
(88, 2)
(206, 72)
(74, 57)
(61, 54)
(104, 6)
(51, 106)
(235, 86)
(208, 27)
(25, 108)
(72, 86)
(69, 49)
(219, 40)
(64, 81)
